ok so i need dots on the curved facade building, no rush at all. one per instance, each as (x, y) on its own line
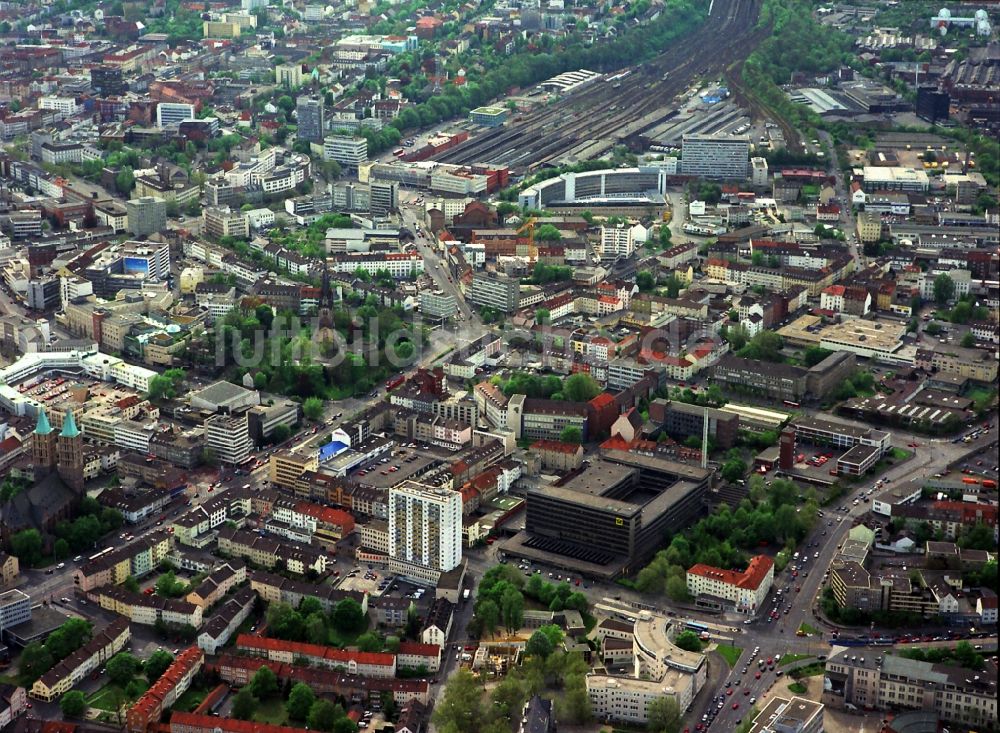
(618, 186)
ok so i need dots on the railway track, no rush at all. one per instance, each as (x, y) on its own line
(589, 119)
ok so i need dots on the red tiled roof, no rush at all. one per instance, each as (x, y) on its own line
(148, 707)
(556, 446)
(189, 721)
(251, 641)
(325, 514)
(602, 400)
(750, 579)
(416, 649)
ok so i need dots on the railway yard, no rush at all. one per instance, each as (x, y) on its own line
(622, 109)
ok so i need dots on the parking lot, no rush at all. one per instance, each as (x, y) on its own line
(378, 583)
(402, 463)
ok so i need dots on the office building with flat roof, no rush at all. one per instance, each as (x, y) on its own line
(347, 150)
(173, 113)
(146, 215)
(661, 669)
(311, 118)
(495, 291)
(228, 438)
(15, 608)
(724, 157)
(789, 715)
(437, 304)
(488, 116)
(609, 516)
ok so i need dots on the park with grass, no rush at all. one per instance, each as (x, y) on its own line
(730, 653)
(789, 658)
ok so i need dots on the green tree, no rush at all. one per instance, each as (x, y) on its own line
(676, 589)
(161, 388)
(323, 715)
(280, 434)
(968, 340)
(539, 645)
(244, 704)
(645, 281)
(574, 705)
(512, 608)
(36, 660)
(765, 346)
(27, 546)
(60, 549)
(461, 708)
(122, 667)
(125, 181)
(300, 701)
(73, 704)
(580, 387)
(264, 684)
(571, 434)
(688, 640)
(348, 616)
(488, 615)
(131, 584)
(733, 470)
(312, 408)
(813, 355)
(168, 586)
(369, 641)
(944, 288)
(158, 663)
(542, 316)
(547, 233)
(664, 715)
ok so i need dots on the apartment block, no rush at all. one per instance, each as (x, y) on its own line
(145, 712)
(859, 678)
(218, 583)
(744, 592)
(369, 664)
(268, 552)
(425, 526)
(222, 221)
(90, 657)
(134, 559)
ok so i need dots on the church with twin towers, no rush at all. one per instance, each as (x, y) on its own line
(60, 452)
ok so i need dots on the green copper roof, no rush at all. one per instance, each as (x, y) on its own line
(42, 427)
(69, 429)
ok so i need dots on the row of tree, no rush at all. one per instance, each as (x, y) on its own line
(301, 704)
(775, 514)
(37, 658)
(578, 387)
(312, 624)
(78, 535)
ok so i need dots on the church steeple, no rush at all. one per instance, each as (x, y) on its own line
(43, 446)
(69, 429)
(42, 427)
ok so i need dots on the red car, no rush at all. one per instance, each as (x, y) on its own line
(729, 691)
(770, 661)
(757, 676)
(736, 706)
(746, 693)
